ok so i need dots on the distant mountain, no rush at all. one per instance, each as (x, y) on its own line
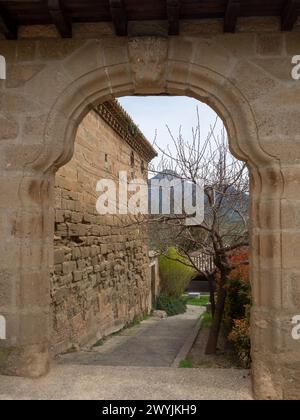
(230, 207)
(153, 193)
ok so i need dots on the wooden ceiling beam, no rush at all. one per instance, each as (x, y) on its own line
(7, 25)
(60, 19)
(119, 17)
(290, 14)
(173, 12)
(231, 15)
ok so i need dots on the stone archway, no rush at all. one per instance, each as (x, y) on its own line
(95, 73)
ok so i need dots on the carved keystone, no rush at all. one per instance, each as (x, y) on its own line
(148, 57)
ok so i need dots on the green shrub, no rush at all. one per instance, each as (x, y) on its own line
(240, 338)
(172, 306)
(238, 299)
(175, 273)
(237, 309)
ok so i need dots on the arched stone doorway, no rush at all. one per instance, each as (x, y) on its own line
(76, 80)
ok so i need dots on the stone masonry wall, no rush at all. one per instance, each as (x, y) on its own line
(51, 82)
(100, 279)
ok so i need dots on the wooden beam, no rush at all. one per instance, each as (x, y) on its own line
(290, 14)
(119, 18)
(7, 25)
(173, 12)
(60, 19)
(231, 15)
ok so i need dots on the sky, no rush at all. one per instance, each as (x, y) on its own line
(153, 113)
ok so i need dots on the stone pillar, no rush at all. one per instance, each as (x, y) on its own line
(26, 238)
(276, 282)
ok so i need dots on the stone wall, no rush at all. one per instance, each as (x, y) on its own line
(101, 278)
(246, 77)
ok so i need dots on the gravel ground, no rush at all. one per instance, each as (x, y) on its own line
(81, 382)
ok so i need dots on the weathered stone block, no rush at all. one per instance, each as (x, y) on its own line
(9, 128)
(59, 256)
(270, 44)
(77, 276)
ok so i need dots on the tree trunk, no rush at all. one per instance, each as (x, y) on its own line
(210, 279)
(212, 343)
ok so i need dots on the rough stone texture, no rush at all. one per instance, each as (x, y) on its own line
(100, 279)
(159, 314)
(252, 91)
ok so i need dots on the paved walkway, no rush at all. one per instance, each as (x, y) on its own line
(153, 343)
(133, 365)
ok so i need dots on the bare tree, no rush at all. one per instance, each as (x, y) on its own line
(225, 226)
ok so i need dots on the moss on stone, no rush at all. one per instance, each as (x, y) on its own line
(5, 353)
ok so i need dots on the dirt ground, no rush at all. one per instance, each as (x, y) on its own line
(224, 358)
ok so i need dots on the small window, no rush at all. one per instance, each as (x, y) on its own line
(106, 158)
(143, 167)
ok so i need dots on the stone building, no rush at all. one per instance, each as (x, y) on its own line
(100, 278)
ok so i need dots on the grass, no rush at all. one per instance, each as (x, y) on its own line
(206, 319)
(99, 343)
(72, 349)
(136, 322)
(197, 301)
(185, 364)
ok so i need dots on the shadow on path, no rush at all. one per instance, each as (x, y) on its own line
(153, 343)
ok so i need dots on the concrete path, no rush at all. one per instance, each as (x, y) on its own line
(133, 365)
(153, 343)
